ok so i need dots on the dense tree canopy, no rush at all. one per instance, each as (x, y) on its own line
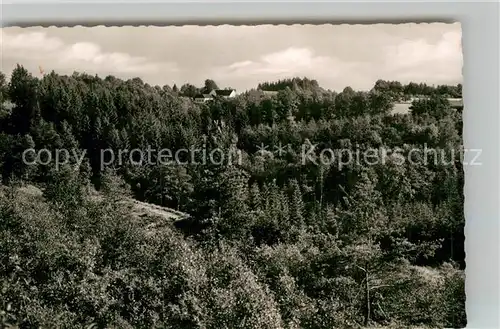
(271, 242)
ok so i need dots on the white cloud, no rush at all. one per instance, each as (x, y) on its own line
(336, 56)
(53, 54)
(287, 63)
(33, 41)
(290, 60)
(419, 59)
(404, 60)
(239, 65)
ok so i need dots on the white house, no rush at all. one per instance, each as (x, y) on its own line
(224, 93)
(269, 92)
(202, 98)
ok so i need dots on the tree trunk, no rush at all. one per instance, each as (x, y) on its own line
(321, 193)
(367, 292)
(451, 244)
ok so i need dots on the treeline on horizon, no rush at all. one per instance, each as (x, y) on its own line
(395, 89)
(271, 243)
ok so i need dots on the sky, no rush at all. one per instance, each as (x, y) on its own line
(242, 56)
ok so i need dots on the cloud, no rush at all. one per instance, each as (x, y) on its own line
(287, 63)
(335, 55)
(401, 59)
(28, 42)
(37, 48)
(420, 59)
(239, 65)
(92, 55)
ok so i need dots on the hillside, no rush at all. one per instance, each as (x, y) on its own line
(305, 208)
(135, 207)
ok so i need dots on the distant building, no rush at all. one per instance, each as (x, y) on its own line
(401, 108)
(270, 92)
(202, 98)
(404, 106)
(224, 93)
(457, 103)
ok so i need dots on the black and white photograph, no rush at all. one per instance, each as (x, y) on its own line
(219, 177)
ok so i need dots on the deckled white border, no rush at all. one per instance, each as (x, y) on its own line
(480, 26)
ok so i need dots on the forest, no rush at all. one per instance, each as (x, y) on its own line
(271, 242)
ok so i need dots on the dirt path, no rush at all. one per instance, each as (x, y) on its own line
(164, 212)
(137, 206)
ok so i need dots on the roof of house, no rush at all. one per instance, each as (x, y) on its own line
(203, 96)
(224, 92)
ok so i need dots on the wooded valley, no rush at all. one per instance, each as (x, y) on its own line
(268, 242)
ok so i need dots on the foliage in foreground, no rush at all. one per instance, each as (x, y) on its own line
(99, 265)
